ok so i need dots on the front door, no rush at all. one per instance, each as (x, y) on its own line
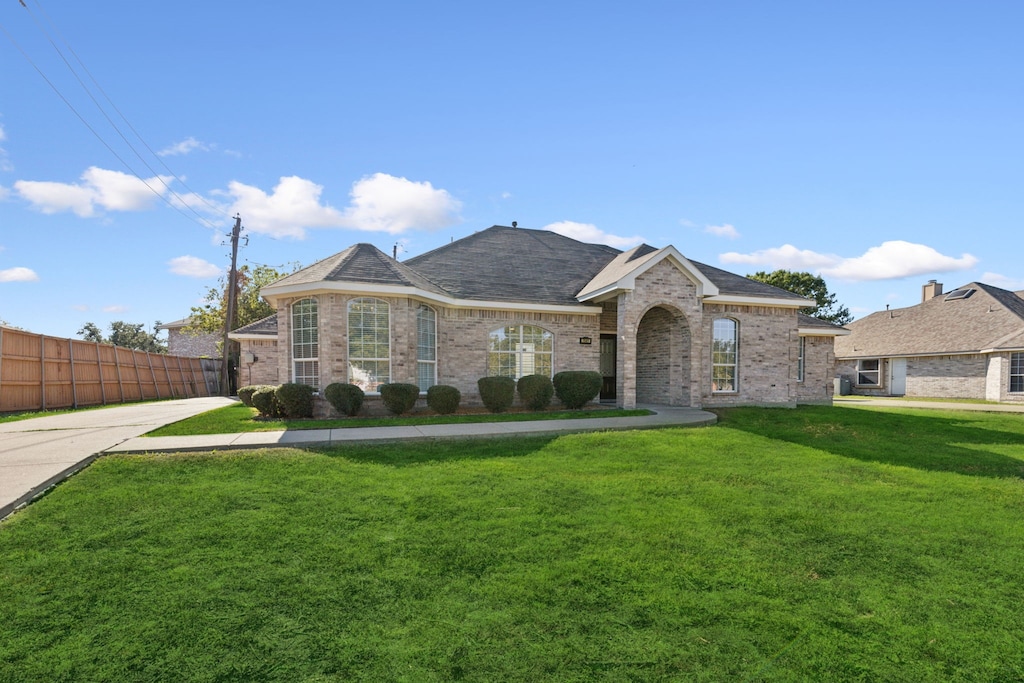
(608, 361)
(897, 376)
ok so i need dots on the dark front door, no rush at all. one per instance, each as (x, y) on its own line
(608, 364)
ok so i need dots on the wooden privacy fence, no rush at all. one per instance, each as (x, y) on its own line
(43, 373)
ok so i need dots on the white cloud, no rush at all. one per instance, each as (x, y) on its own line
(384, 203)
(380, 202)
(1013, 284)
(5, 163)
(192, 266)
(80, 307)
(117, 308)
(18, 275)
(687, 223)
(727, 231)
(585, 232)
(506, 195)
(4, 193)
(186, 146)
(889, 261)
(99, 189)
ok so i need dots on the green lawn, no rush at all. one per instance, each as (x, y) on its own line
(815, 544)
(240, 418)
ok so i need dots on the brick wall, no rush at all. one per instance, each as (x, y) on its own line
(767, 355)
(819, 371)
(947, 376)
(265, 370)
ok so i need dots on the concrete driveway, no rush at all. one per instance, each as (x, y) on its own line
(37, 453)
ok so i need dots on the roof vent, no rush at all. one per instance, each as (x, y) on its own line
(959, 294)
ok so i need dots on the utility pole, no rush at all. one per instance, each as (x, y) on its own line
(229, 317)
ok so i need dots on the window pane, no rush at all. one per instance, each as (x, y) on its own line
(369, 349)
(724, 355)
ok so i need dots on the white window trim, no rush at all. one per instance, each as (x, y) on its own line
(877, 371)
(519, 351)
(315, 360)
(420, 361)
(801, 360)
(348, 350)
(735, 365)
(1020, 357)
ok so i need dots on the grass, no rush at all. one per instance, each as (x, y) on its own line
(782, 545)
(30, 414)
(238, 418)
(932, 399)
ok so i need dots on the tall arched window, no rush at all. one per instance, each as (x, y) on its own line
(369, 343)
(305, 343)
(519, 350)
(725, 355)
(426, 347)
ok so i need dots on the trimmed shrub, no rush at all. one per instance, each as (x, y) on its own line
(443, 399)
(399, 398)
(264, 399)
(576, 388)
(245, 393)
(497, 393)
(347, 399)
(535, 391)
(296, 400)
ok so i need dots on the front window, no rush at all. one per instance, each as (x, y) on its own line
(520, 350)
(426, 347)
(725, 355)
(801, 359)
(869, 372)
(1017, 372)
(305, 343)
(369, 343)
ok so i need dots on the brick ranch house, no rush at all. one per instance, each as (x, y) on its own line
(660, 328)
(968, 343)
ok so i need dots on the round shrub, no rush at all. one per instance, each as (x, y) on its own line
(264, 400)
(497, 393)
(576, 388)
(296, 400)
(535, 391)
(399, 398)
(245, 393)
(347, 399)
(443, 399)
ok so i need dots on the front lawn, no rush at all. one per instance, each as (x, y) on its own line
(238, 417)
(782, 545)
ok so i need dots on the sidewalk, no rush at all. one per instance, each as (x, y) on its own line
(663, 417)
(845, 401)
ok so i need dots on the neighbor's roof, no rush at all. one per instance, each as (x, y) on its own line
(818, 326)
(989, 318)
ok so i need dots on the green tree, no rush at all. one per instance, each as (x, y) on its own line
(811, 286)
(250, 307)
(126, 335)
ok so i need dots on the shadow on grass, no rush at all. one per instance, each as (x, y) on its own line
(974, 444)
(418, 452)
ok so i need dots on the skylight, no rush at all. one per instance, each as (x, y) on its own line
(959, 294)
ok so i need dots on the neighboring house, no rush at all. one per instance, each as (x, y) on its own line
(660, 328)
(183, 343)
(968, 343)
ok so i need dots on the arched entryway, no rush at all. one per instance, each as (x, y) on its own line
(663, 357)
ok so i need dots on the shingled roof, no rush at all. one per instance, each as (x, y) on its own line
(514, 264)
(989, 318)
(503, 264)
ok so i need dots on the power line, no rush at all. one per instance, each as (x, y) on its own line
(203, 222)
(214, 208)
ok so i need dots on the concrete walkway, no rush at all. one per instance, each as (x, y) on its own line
(37, 453)
(930, 405)
(663, 417)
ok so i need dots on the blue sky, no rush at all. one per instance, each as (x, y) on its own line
(879, 144)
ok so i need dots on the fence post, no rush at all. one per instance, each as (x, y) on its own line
(42, 370)
(152, 374)
(74, 385)
(117, 364)
(138, 375)
(99, 366)
(1, 360)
